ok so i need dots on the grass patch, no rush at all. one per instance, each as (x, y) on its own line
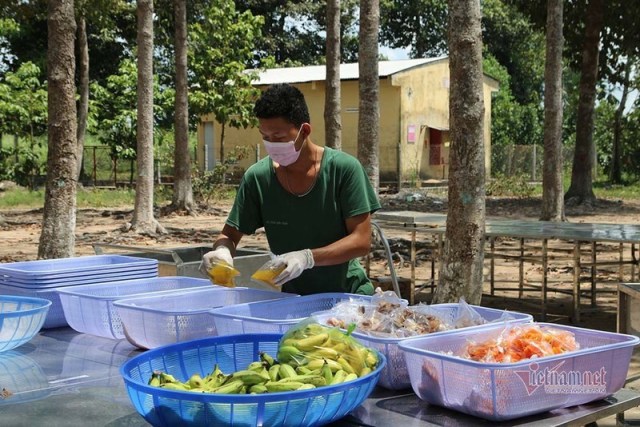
(605, 190)
(21, 198)
(105, 198)
(86, 198)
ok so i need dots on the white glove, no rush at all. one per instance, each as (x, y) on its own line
(297, 262)
(221, 253)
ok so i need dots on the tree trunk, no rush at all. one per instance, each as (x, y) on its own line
(581, 189)
(83, 104)
(369, 84)
(57, 239)
(552, 186)
(182, 189)
(332, 109)
(463, 257)
(615, 175)
(143, 219)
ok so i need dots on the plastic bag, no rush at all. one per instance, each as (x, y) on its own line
(311, 345)
(269, 271)
(467, 316)
(343, 314)
(522, 342)
(222, 273)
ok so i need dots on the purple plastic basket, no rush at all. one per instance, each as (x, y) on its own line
(503, 391)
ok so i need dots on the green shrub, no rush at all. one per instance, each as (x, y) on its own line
(510, 186)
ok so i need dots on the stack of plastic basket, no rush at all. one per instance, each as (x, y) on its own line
(40, 278)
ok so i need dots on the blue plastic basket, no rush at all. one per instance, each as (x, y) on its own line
(157, 320)
(21, 319)
(503, 391)
(161, 407)
(396, 376)
(71, 268)
(275, 316)
(89, 309)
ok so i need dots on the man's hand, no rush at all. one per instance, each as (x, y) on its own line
(221, 253)
(297, 262)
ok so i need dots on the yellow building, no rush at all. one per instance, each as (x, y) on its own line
(414, 117)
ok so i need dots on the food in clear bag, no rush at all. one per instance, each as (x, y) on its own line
(521, 343)
(269, 271)
(222, 273)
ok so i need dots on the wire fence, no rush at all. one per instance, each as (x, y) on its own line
(523, 160)
(99, 169)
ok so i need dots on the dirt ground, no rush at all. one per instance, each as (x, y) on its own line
(20, 232)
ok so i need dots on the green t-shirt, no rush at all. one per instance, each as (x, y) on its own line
(342, 190)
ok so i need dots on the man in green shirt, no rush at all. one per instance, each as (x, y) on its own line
(315, 203)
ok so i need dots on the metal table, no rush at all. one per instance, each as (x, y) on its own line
(64, 378)
(578, 234)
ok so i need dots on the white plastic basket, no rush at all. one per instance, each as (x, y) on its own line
(89, 309)
(157, 320)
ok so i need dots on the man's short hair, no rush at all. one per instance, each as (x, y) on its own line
(283, 100)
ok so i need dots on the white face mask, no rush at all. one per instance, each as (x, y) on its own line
(283, 153)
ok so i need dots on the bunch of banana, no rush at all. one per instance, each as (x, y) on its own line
(266, 375)
(315, 345)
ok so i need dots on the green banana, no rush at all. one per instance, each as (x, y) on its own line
(248, 377)
(339, 377)
(306, 386)
(274, 372)
(289, 353)
(311, 342)
(365, 371)
(175, 386)
(255, 366)
(338, 347)
(215, 378)
(350, 377)
(195, 381)
(323, 353)
(371, 360)
(317, 380)
(355, 359)
(326, 373)
(314, 329)
(274, 387)
(154, 380)
(266, 358)
(258, 389)
(287, 371)
(303, 370)
(345, 365)
(233, 387)
(319, 363)
(167, 378)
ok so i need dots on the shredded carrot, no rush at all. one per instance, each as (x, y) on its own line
(522, 343)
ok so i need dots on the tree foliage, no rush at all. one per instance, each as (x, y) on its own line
(221, 44)
(117, 112)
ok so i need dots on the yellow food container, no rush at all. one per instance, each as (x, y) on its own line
(222, 273)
